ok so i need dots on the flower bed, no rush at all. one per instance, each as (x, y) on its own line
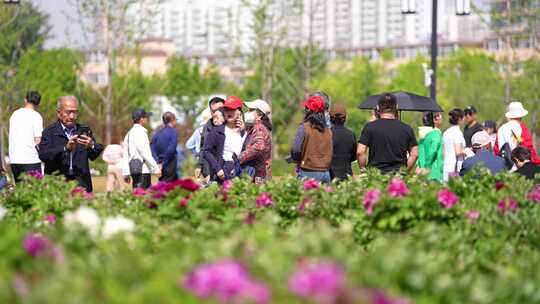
(377, 239)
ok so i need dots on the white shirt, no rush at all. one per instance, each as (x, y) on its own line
(137, 146)
(24, 126)
(452, 136)
(233, 144)
(113, 155)
(508, 132)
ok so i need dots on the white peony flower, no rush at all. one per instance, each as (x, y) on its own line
(3, 212)
(85, 217)
(115, 225)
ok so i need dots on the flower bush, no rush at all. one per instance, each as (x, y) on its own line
(376, 239)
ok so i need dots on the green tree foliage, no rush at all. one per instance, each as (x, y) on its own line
(409, 77)
(185, 85)
(52, 73)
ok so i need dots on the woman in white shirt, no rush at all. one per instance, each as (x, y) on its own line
(453, 144)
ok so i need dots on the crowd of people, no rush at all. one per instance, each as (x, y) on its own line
(234, 138)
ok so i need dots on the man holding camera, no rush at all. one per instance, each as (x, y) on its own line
(66, 146)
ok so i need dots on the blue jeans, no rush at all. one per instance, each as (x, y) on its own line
(321, 176)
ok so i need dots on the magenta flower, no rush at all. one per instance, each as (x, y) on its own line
(187, 184)
(183, 202)
(499, 185)
(534, 195)
(318, 281)
(227, 185)
(302, 206)
(397, 188)
(249, 219)
(447, 198)
(35, 244)
(51, 218)
(371, 197)
(311, 184)
(507, 204)
(328, 189)
(227, 282)
(36, 174)
(81, 192)
(264, 200)
(379, 297)
(472, 215)
(139, 192)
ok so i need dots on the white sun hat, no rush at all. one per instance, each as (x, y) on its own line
(260, 105)
(516, 110)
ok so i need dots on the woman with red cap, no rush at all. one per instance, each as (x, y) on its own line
(314, 153)
(223, 144)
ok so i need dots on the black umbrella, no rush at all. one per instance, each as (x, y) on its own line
(406, 102)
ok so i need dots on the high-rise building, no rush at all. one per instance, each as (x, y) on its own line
(214, 29)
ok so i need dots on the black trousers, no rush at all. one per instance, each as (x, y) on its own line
(169, 173)
(141, 180)
(19, 169)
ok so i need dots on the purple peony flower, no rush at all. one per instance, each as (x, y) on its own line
(472, 215)
(36, 174)
(318, 281)
(447, 198)
(264, 200)
(35, 244)
(311, 184)
(227, 282)
(499, 185)
(50, 218)
(371, 197)
(139, 192)
(397, 188)
(534, 195)
(507, 204)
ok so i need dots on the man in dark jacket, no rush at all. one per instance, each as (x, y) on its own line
(66, 146)
(522, 158)
(203, 168)
(344, 142)
(163, 147)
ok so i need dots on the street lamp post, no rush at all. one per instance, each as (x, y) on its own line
(463, 8)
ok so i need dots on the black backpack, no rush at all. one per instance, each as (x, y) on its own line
(506, 154)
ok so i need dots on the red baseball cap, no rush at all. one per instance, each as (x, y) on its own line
(315, 104)
(233, 103)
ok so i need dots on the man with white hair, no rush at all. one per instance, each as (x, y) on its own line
(481, 145)
(514, 133)
(66, 146)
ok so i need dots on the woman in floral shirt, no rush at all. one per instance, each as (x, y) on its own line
(257, 151)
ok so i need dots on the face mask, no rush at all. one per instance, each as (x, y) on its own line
(249, 118)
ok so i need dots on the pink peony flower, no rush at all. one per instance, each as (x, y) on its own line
(81, 192)
(447, 198)
(472, 215)
(499, 185)
(302, 206)
(35, 244)
(507, 204)
(249, 219)
(371, 197)
(328, 189)
(183, 202)
(379, 297)
(264, 200)
(311, 184)
(36, 174)
(139, 192)
(227, 185)
(397, 188)
(534, 195)
(227, 282)
(51, 218)
(318, 281)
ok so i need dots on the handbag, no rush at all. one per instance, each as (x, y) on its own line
(135, 165)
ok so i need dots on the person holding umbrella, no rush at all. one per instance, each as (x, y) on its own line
(391, 143)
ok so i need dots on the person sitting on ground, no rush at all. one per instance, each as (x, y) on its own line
(313, 154)
(522, 158)
(392, 144)
(481, 145)
(430, 152)
(344, 144)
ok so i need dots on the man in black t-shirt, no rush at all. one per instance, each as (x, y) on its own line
(472, 126)
(391, 143)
